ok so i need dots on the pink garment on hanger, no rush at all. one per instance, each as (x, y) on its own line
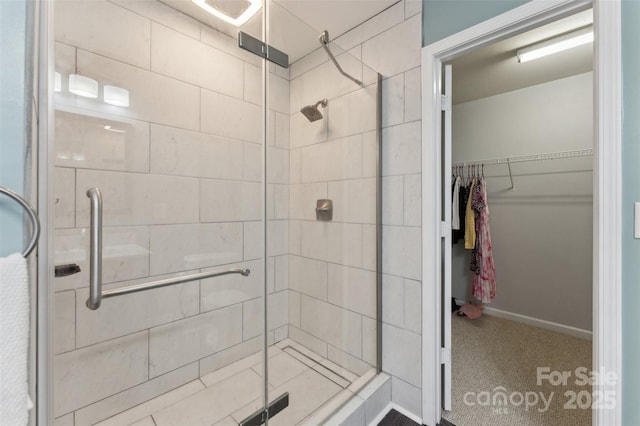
(484, 280)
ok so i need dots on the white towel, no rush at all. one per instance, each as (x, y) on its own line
(14, 340)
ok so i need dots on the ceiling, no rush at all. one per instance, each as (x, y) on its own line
(494, 69)
(295, 24)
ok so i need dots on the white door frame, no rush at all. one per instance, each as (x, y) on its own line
(607, 193)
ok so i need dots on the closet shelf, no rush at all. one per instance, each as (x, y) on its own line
(533, 157)
(524, 158)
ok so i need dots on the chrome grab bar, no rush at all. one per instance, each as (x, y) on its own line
(95, 250)
(96, 294)
(171, 281)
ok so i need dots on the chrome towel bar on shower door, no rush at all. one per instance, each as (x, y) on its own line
(33, 217)
(96, 294)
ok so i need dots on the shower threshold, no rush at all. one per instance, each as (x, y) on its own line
(316, 386)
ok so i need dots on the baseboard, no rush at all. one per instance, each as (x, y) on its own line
(394, 406)
(535, 322)
(406, 413)
(381, 415)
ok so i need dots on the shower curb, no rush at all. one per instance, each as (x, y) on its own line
(366, 406)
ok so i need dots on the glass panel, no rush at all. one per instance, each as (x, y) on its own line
(165, 116)
(323, 285)
(158, 107)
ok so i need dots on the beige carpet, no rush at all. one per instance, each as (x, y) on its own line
(490, 352)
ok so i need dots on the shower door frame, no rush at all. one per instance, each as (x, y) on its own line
(44, 75)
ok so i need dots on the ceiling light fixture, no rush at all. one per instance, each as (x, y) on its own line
(247, 10)
(556, 44)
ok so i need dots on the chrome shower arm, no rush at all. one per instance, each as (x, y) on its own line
(324, 42)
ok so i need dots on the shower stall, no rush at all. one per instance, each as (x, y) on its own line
(217, 211)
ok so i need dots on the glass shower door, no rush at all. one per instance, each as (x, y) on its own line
(163, 113)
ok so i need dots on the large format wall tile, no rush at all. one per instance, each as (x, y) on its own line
(137, 199)
(401, 150)
(166, 15)
(65, 322)
(403, 251)
(404, 363)
(186, 59)
(90, 142)
(230, 201)
(95, 372)
(190, 339)
(226, 290)
(333, 242)
(186, 153)
(64, 203)
(395, 50)
(183, 247)
(226, 116)
(353, 113)
(336, 326)
(353, 289)
(308, 276)
(303, 200)
(334, 160)
(133, 312)
(304, 132)
(106, 29)
(153, 97)
(354, 201)
(125, 255)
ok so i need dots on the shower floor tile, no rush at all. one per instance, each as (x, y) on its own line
(230, 394)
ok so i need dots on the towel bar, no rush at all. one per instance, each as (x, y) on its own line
(33, 217)
(96, 294)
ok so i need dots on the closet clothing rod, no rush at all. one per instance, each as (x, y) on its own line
(525, 158)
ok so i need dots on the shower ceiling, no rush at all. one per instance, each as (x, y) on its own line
(295, 24)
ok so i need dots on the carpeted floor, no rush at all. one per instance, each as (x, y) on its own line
(490, 352)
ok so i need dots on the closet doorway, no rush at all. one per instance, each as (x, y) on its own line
(606, 205)
(521, 270)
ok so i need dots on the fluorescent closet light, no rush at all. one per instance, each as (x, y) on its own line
(556, 44)
(83, 86)
(210, 6)
(117, 96)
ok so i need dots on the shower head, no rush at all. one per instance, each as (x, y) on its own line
(312, 112)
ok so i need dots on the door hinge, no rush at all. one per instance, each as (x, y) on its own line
(444, 229)
(445, 355)
(445, 103)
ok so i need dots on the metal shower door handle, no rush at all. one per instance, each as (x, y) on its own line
(95, 250)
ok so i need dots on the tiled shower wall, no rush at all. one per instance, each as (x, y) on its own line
(180, 172)
(332, 267)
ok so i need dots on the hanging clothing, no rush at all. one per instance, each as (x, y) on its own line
(470, 223)
(484, 278)
(455, 205)
(463, 197)
(477, 204)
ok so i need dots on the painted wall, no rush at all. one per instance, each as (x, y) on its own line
(445, 17)
(542, 230)
(630, 194)
(13, 121)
